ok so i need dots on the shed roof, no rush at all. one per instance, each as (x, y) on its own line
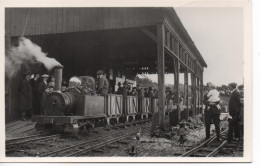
(64, 20)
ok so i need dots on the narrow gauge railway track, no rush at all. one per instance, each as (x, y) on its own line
(27, 139)
(209, 147)
(206, 149)
(89, 145)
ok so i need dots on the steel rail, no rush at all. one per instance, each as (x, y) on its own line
(208, 141)
(217, 149)
(21, 138)
(51, 154)
(36, 139)
(100, 144)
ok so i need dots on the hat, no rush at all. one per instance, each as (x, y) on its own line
(99, 72)
(125, 83)
(210, 85)
(119, 83)
(168, 88)
(233, 84)
(241, 87)
(27, 73)
(45, 76)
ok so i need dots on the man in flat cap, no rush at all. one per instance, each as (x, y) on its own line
(26, 96)
(102, 83)
(234, 112)
(41, 90)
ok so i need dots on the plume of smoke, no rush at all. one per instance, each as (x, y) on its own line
(26, 52)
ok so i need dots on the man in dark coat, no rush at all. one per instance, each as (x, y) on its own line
(41, 90)
(120, 89)
(35, 102)
(241, 114)
(102, 83)
(26, 96)
(234, 111)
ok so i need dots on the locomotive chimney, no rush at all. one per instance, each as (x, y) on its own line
(58, 78)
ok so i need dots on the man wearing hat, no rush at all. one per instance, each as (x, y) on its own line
(212, 110)
(102, 83)
(35, 102)
(234, 111)
(41, 89)
(120, 89)
(26, 96)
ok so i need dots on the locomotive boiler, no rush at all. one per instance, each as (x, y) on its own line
(76, 107)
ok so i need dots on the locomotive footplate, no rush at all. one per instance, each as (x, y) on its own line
(60, 120)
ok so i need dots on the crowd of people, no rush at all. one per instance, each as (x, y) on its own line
(236, 111)
(33, 91)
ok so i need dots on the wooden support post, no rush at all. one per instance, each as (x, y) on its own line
(7, 84)
(176, 80)
(199, 97)
(186, 90)
(193, 91)
(160, 68)
(176, 88)
(201, 89)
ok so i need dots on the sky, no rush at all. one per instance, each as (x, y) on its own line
(218, 35)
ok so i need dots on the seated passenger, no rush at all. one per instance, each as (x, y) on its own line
(63, 88)
(150, 92)
(119, 89)
(102, 83)
(146, 93)
(129, 92)
(134, 92)
(51, 89)
(155, 93)
(141, 93)
(125, 89)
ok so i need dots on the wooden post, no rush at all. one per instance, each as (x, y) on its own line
(201, 89)
(8, 104)
(186, 86)
(199, 96)
(160, 68)
(176, 80)
(193, 92)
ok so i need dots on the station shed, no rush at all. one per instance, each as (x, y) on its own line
(121, 41)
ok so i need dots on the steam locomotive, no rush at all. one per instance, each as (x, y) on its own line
(79, 108)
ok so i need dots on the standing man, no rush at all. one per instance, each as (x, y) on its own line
(35, 101)
(120, 89)
(26, 96)
(234, 111)
(241, 114)
(102, 83)
(212, 112)
(41, 90)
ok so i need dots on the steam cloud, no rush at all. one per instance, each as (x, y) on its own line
(26, 52)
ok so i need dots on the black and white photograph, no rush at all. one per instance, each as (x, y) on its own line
(135, 82)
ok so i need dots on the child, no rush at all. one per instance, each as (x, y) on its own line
(213, 96)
